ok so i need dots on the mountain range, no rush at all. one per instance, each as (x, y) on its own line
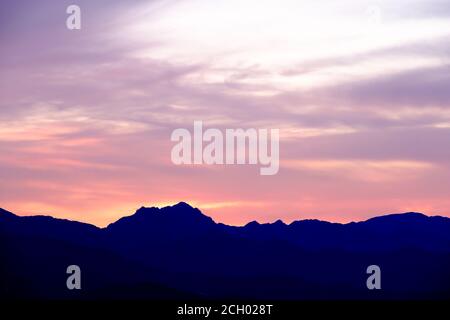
(176, 252)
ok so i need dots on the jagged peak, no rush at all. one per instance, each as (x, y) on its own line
(279, 222)
(255, 223)
(179, 205)
(181, 211)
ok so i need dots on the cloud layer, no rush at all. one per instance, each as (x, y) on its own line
(359, 92)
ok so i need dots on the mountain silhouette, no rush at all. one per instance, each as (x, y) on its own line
(178, 252)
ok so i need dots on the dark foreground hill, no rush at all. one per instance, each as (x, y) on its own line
(177, 253)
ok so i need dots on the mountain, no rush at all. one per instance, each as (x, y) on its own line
(177, 252)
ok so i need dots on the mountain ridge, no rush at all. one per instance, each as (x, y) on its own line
(177, 250)
(161, 210)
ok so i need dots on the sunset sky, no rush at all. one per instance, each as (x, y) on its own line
(360, 91)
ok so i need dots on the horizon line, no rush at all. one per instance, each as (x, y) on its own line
(230, 225)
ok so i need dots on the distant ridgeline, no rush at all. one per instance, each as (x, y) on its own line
(177, 252)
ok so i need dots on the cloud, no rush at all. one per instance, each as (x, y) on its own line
(86, 116)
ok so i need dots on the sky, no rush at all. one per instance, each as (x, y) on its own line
(360, 91)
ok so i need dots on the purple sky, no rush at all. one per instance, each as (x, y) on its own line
(359, 91)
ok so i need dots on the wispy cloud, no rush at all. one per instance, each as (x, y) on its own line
(362, 105)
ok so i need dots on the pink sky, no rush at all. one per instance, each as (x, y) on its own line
(360, 93)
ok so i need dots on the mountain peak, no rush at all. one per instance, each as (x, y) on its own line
(252, 224)
(407, 216)
(182, 205)
(279, 222)
(183, 211)
(179, 206)
(181, 214)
